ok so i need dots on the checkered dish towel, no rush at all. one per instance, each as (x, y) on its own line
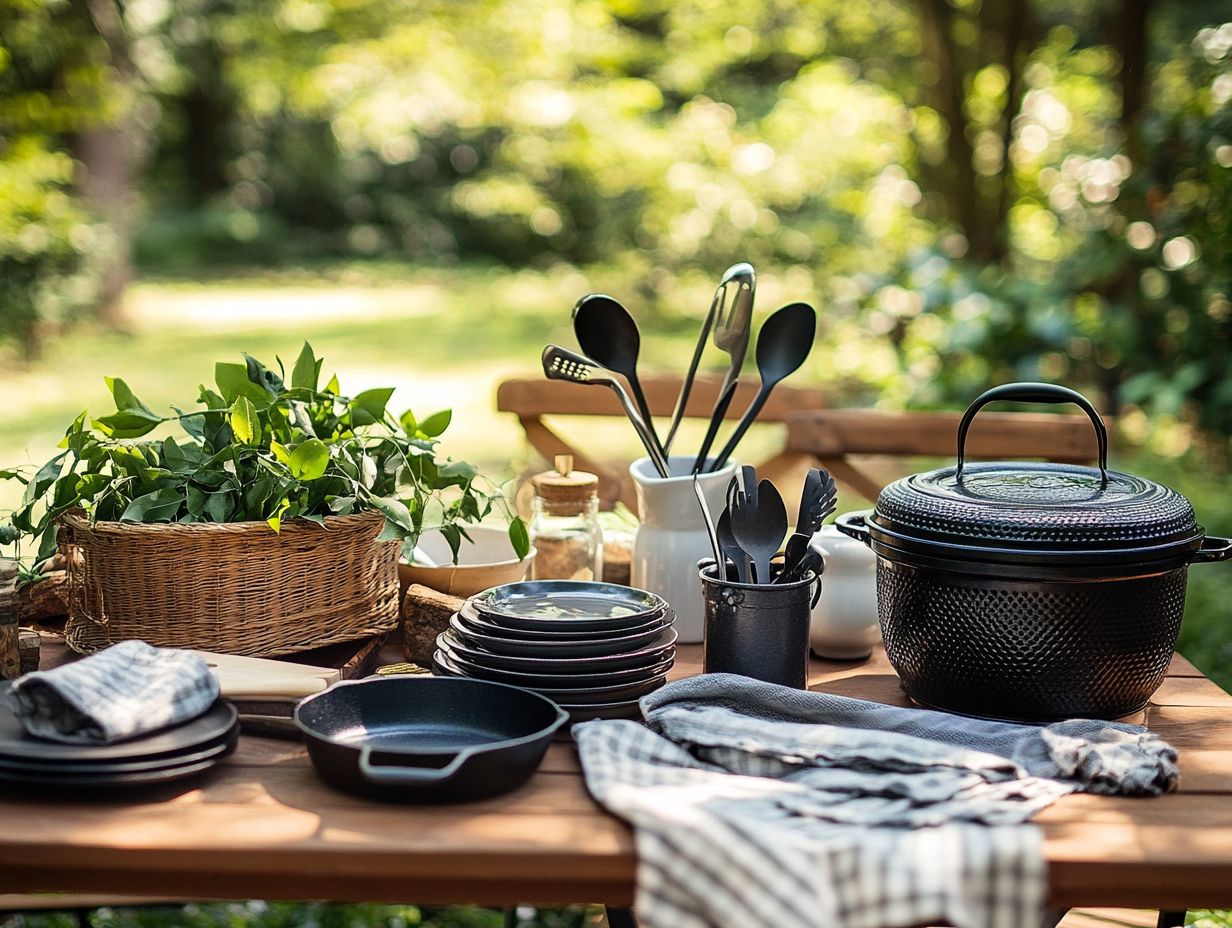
(756, 804)
(123, 691)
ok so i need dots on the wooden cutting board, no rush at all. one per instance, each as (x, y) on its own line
(249, 678)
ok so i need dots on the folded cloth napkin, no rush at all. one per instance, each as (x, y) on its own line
(756, 804)
(126, 690)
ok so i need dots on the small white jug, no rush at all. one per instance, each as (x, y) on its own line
(844, 624)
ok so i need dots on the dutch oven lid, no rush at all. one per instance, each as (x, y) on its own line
(1035, 508)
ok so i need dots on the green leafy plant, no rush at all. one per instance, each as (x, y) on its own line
(265, 447)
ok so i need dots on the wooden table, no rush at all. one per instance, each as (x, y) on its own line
(264, 827)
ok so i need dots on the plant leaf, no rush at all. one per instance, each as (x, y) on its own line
(127, 424)
(307, 367)
(159, 506)
(519, 537)
(245, 425)
(368, 407)
(309, 460)
(394, 511)
(124, 398)
(436, 423)
(233, 382)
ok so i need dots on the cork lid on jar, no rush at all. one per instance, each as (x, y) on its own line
(565, 485)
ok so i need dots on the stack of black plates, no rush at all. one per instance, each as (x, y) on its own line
(168, 755)
(593, 648)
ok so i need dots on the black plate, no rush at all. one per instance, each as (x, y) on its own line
(608, 710)
(213, 751)
(643, 657)
(589, 647)
(441, 664)
(15, 744)
(567, 605)
(107, 780)
(536, 680)
(486, 625)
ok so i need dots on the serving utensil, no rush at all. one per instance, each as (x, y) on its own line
(735, 275)
(782, 346)
(563, 364)
(731, 334)
(759, 526)
(720, 562)
(609, 335)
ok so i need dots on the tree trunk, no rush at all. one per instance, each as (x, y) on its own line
(1014, 32)
(948, 94)
(109, 155)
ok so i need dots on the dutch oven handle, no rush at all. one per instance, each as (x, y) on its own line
(1034, 393)
(855, 525)
(395, 775)
(1213, 549)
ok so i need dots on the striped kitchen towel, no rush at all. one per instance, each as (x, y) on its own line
(123, 691)
(756, 804)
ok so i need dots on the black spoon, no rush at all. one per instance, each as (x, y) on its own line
(759, 527)
(608, 334)
(782, 346)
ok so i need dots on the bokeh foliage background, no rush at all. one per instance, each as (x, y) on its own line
(991, 188)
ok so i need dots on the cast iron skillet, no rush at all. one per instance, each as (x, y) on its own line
(427, 739)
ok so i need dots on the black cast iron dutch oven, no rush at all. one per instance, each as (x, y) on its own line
(427, 739)
(1031, 591)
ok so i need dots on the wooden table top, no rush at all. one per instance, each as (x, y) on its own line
(263, 826)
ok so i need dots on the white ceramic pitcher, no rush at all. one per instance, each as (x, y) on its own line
(844, 622)
(672, 538)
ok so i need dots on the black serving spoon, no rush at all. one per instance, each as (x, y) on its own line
(759, 526)
(608, 335)
(782, 346)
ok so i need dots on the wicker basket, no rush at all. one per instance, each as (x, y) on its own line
(238, 588)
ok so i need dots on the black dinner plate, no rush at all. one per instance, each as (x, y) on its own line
(651, 653)
(105, 781)
(215, 750)
(620, 692)
(574, 605)
(534, 680)
(487, 625)
(627, 709)
(589, 647)
(184, 738)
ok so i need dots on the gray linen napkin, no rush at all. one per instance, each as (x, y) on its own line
(123, 691)
(759, 804)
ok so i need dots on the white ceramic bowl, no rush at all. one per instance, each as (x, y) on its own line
(486, 561)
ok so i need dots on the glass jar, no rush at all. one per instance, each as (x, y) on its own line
(565, 528)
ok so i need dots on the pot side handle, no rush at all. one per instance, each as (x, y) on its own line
(855, 525)
(1213, 549)
(394, 774)
(1035, 393)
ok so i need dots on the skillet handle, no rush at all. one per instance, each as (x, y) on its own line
(1213, 549)
(394, 774)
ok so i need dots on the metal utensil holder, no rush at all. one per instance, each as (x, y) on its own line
(758, 630)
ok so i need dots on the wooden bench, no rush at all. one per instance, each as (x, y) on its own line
(865, 448)
(533, 398)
